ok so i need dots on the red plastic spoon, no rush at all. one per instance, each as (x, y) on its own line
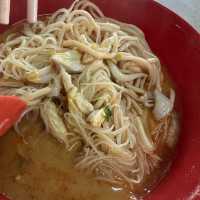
(11, 108)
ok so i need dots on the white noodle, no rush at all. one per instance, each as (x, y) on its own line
(116, 84)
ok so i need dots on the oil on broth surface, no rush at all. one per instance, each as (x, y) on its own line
(38, 167)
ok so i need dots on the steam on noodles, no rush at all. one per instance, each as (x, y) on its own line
(95, 82)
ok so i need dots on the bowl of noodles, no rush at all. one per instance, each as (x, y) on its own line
(112, 95)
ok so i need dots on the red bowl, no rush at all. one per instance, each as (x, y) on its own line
(178, 46)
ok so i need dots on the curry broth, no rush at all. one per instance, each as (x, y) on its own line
(33, 165)
(36, 166)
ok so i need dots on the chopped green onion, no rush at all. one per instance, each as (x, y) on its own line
(108, 113)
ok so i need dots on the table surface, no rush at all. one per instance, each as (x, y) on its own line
(188, 9)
